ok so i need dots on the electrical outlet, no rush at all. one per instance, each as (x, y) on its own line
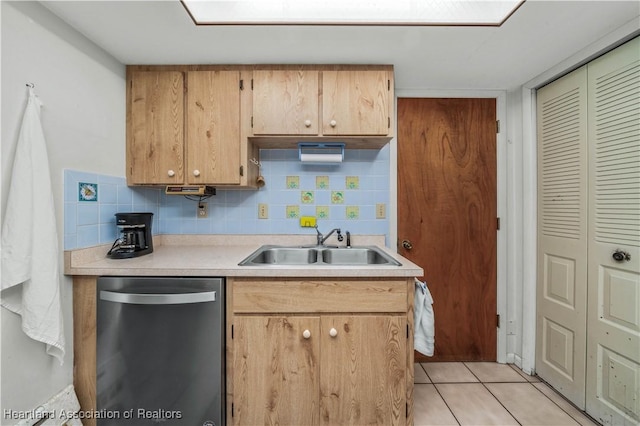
(203, 210)
(381, 211)
(263, 211)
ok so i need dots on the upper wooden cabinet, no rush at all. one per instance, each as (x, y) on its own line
(285, 102)
(213, 127)
(203, 124)
(185, 126)
(155, 128)
(334, 102)
(356, 103)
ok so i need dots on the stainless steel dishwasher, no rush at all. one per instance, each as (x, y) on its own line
(160, 351)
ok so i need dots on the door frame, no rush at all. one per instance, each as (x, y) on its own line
(506, 267)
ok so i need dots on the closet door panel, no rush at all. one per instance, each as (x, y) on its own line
(562, 235)
(613, 347)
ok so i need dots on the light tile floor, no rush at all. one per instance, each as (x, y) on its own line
(487, 393)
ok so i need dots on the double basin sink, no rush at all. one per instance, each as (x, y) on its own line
(319, 255)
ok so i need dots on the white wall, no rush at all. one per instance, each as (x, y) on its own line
(83, 117)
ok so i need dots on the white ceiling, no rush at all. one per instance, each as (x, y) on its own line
(538, 36)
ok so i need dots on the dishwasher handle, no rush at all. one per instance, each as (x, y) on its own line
(158, 299)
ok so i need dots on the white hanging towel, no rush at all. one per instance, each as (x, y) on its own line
(30, 239)
(423, 320)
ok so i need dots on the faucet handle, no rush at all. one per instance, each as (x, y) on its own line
(339, 236)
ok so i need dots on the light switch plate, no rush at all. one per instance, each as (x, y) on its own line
(381, 211)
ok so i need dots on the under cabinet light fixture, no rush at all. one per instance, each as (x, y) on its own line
(352, 12)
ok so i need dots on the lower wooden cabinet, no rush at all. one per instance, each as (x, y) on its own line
(320, 367)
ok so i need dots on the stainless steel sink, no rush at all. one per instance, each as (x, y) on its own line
(276, 255)
(318, 255)
(357, 256)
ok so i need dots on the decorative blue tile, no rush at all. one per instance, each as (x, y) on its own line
(108, 193)
(88, 235)
(233, 211)
(87, 191)
(88, 214)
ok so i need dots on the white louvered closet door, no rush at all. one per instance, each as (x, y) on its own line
(562, 235)
(613, 345)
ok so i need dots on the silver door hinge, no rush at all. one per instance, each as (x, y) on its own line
(498, 320)
(498, 223)
(497, 126)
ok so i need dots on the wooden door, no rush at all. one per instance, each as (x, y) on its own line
(613, 342)
(363, 370)
(155, 130)
(356, 102)
(213, 127)
(275, 370)
(447, 212)
(285, 102)
(561, 316)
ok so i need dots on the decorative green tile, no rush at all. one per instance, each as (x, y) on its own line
(87, 191)
(322, 212)
(322, 182)
(293, 212)
(352, 182)
(307, 197)
(337, 197)
(293, 182)
(353, 212)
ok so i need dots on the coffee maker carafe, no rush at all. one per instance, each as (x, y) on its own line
(134, 237)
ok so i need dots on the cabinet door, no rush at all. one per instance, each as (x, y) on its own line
(285, 102)
(155, 146)
(355, 103)
(363, 368)
(275, 370)
(213, 127)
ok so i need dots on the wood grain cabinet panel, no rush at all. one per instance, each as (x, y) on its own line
(363, 370)
(213, 127)
(285, 102)
(356, 103)
(155, 128)
(326, 366)
(185, 125)
(323, 102)
(276, 370)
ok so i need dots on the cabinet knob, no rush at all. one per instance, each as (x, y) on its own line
(333, 332)
(171, 173)
(306, 334)
(333, 123)
(307, 123)
(196, 172)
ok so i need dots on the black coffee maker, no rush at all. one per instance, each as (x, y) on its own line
(134, 236)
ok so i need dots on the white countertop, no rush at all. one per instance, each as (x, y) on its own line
(219, 255)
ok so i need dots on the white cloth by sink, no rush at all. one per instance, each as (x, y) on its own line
(423, 320)
(30, 240)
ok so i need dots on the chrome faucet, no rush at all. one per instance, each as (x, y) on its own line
(323, 238)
